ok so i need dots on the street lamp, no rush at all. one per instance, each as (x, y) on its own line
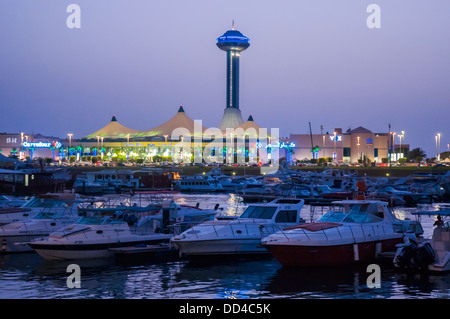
(359, 157)
(70, 139)
(439, 146)
(334, 140)
(393, 145)
(437, 152)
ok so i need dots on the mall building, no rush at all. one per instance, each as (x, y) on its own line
(352, 146)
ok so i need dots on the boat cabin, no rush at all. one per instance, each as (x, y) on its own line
(278, 211)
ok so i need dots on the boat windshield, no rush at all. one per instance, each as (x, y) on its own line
(47, 215)
(260, 212)
(91, 220)
(47, 203)
(354, 213)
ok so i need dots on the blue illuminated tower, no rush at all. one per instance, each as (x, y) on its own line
(233, 42)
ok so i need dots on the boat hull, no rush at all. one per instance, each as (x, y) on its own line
(221, 247)
(11, 244)
(88, 251)
(331, 255)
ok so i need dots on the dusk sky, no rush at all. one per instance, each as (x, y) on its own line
(309, 60)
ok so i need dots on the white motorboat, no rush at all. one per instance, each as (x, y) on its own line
(101, 229)
(241, 235)
(198, 184)
(55, 201)
(8, 202)
(431, 254)
(352, 231)
(232, 184)
(57, 215)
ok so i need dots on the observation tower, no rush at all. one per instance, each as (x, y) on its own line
(233, 42)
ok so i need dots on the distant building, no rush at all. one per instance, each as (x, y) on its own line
(30, 145)
(351, 146)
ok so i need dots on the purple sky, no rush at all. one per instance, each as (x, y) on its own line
(308, 61)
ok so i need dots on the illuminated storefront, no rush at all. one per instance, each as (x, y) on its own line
(357, 145)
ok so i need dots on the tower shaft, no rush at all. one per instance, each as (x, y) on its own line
(233, 79)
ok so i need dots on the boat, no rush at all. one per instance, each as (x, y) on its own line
(400, 197)
(105, 181)
(56, 201)
(26, 180)
(432, 254)
(83, 186)
(232, 184)
(352, 231)
(8, 201)
(103, 228)
(240, 235)
(198, 184)
(48, 220)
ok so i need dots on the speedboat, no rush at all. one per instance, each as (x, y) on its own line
(56, 216)
(198, 184)
(8, 202)
(99, 230)
(241, 235)
(55, 201)
(431, 254)
(351, 231)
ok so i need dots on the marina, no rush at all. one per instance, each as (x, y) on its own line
(157, 271)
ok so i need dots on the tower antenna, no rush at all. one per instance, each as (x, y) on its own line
(232, 25)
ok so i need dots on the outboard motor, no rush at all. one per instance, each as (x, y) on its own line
(424, 256)
(411, 256)
(405, 254)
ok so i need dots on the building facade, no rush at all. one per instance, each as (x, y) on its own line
(357, 145)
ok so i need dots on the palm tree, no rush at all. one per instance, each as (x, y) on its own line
(416, 155)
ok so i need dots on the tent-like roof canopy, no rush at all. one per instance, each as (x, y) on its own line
(113, 130)
(250, 124)
(179, 121)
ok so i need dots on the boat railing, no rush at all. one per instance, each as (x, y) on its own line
(238, 229)
(358, 231)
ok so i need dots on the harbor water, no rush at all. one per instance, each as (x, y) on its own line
(28, 276)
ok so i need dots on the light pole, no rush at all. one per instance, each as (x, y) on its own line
(359, 157)
(437, 152)
(334, 140)
(400, 138)
(70, 139)
(393, 145)
(101, 151)
(439, 146)
(323, 146)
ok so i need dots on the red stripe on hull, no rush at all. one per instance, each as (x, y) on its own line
(309, 256)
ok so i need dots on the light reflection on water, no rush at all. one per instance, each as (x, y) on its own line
(29, 276)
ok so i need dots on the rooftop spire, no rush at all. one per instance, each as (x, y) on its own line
(181, 109)
(232, 25)
(114, 119)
